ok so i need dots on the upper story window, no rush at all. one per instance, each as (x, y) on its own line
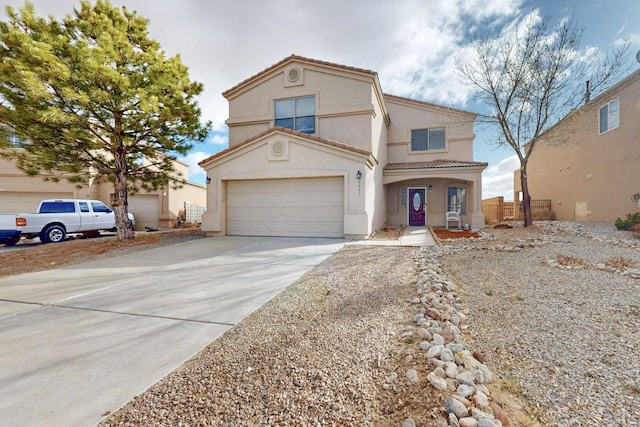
(296, 113)
(427, 139)
(609, 116)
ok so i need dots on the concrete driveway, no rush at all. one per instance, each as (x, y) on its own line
(80, 341)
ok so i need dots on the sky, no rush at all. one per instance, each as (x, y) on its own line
(411, 44)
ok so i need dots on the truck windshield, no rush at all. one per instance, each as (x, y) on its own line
(57, 207)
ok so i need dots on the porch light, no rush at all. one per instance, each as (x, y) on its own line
(358, 175)
(208, 180)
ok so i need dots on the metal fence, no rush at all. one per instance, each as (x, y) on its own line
(193, 214)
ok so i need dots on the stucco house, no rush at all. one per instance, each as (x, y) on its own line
(20, 193)
(318, 149)
(588, 163)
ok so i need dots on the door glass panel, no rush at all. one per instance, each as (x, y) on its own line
(417, 201)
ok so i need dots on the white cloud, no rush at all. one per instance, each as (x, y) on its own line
(410, 44)
(192, 159)
(218, 139)
(498, 180)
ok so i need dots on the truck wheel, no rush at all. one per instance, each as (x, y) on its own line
(53, 234)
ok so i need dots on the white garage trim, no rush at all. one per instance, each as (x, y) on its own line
(146, 210)
(301, 207)
(27, 202)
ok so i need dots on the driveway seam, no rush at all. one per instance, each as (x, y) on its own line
(118, 312)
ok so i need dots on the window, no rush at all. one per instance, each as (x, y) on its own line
(609, 116)
(84, 206)
(427, 139)
(99, 207)
(457, 200)
(296, 113)
(57, 207)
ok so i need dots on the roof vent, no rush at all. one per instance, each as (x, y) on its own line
(293, 75)
(277, 148)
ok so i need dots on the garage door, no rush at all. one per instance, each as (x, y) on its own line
(26, 202)
(145, 208)
(286, 207)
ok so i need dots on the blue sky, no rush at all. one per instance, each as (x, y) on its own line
(411, 44)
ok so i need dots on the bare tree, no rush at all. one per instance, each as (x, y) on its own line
(530, 76)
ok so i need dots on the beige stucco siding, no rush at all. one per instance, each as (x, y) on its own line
(354, 130)
(379, 131)
(587, 176)
(343, 104)
(407, 115)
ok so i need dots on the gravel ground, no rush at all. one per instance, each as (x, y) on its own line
(561, 331)
(548, 309)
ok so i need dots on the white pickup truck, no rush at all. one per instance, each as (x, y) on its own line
(57, 218)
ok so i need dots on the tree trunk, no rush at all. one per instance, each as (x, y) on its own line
(526, 198)
(120, 203)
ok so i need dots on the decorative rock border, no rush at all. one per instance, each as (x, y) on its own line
(634, 273)
(457, 370)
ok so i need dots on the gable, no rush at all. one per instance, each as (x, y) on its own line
(292, 64)
(275, 143)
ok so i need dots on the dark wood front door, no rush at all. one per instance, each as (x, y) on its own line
(417, 204)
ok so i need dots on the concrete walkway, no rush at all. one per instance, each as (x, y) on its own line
(412, 236)
(79, 342)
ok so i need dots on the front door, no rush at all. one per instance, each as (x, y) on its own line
(417, 204)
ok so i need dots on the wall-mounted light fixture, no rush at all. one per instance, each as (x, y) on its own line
(358, 175)
(430, 187)
(208, 180)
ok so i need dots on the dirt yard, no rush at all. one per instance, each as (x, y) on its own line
(45, 256)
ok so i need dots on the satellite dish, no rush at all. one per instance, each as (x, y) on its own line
(638, 56)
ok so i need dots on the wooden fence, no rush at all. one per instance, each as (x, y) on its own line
(496, 210)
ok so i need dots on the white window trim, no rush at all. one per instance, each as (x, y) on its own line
(609, 128)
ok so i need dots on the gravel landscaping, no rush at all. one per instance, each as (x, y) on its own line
(557, 317)
(536, 326)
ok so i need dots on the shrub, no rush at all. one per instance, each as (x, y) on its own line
(626, 224)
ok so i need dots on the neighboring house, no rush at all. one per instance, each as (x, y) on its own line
(317, 149)
(588, 164)
(20, 193)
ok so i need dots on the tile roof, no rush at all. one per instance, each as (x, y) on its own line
(294, 57)
(434, 164)
(290, 132)
(389, 97)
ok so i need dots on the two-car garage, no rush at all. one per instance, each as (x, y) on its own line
(301, 207)
(284, 183)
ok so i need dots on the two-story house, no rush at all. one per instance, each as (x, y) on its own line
(588, 163)
(318, 149)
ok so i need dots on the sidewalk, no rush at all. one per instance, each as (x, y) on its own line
(412, 236)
